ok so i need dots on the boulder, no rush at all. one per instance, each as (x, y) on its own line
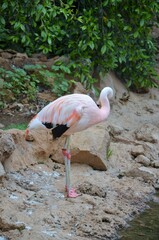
(120, 91)
(7, 145)
(89, 147)
(156, 164)
(115, 130)
(120, 159)
(143, 160)
(145, 173)
(27, 153)
(151, 151)
(137, 150)
(148, 133)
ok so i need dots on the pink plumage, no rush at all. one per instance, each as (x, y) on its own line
(69, 114)
(76, 111)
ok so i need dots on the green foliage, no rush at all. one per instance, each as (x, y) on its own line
(55, 79)
(18, 83)
(20, 126)
(109, 153)
(25, 82)
(59, 78)
(104, 35)
(136, 47)
(22, 83)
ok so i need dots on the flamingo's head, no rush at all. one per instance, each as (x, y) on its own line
(34, 124)
(106, 92)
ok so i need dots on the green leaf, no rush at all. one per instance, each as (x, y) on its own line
(1, 83)
(23, 39)
(2, 20)
(43, 34)
(129, 83)
(105, 3)
(109, 24)
(80, 19)
(136, 34)
(22, 27)
(103, 49)
(84, 28)
(64, 69)
(55, 68)
(142, 22)
(4, 5)
(91, 44)
(49, 41)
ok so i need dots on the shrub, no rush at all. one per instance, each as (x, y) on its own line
(105, 34)
(26, 82)
(18, 83)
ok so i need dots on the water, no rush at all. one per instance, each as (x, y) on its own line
(3, 238)
(145, 226)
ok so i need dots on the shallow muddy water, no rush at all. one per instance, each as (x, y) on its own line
(145, 226)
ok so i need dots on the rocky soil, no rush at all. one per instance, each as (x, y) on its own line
(115, 167)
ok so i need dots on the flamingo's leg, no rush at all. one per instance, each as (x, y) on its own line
(66, 154)
(66, 171)
(67, 157)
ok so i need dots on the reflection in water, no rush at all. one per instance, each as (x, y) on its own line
(145, 226)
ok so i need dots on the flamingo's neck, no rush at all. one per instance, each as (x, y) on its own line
(105, 94)
(105, 108)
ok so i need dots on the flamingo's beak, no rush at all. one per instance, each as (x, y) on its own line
(26, 134)
(98, 103)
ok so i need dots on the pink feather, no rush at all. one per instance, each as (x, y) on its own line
(77, 111)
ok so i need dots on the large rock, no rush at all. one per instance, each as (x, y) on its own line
(148, 133)
(143, 160)
(133, 148)
(7, 146)
(27, 153)
(120, 159)
(89, 147)
(120, 91)
(148, 174)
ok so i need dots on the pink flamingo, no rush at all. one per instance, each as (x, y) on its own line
(69, 114)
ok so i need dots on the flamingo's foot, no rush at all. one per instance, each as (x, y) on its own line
(72, 189)
(72, 193)
(66, 189)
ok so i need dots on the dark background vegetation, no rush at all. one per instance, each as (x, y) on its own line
(96, 36)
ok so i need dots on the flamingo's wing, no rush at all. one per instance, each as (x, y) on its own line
(67, 122)
(61, 115)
